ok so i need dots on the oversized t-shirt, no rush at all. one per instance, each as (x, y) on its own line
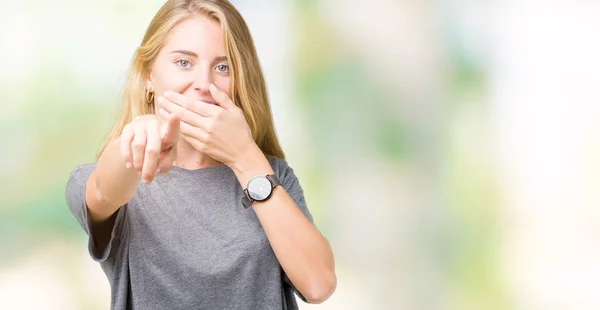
(186, 242)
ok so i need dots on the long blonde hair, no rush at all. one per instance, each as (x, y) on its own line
(248, 84)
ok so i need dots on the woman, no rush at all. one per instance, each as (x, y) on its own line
(227, 227)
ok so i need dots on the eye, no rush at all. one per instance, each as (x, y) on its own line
(183, 63)
(222, 68)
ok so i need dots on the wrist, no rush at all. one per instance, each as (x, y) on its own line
(253, 163)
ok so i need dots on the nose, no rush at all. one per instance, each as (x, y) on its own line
(202, 80)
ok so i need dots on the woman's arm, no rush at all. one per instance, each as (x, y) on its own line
(147, 143)
(109, 186)
(302, 251)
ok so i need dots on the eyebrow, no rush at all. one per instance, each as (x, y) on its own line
(190, 53)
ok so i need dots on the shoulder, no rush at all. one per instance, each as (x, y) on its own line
(81, 172)
(280, 166)
(283, 171)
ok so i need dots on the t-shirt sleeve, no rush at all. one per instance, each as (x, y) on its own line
(290, 182)
(75, 197)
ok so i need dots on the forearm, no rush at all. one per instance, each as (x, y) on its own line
(304, 254)
(302, 251)
(111, 184)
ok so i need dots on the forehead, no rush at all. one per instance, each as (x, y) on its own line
(197, 33)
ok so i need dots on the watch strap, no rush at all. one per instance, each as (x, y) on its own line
(246, 200)
(274, 180)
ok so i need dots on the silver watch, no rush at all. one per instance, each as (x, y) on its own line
(259, 188)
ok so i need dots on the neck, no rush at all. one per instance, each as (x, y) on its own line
(190, 158)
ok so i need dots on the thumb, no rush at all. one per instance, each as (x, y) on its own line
(171, 131)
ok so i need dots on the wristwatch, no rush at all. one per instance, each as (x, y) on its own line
(259, 188)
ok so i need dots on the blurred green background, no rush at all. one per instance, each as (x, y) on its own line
(448, 149)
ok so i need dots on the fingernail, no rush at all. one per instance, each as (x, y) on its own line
(127, 165)
(158, 171)
(161, 111)
(160, 99)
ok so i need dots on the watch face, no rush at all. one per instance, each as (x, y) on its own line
(259, 188)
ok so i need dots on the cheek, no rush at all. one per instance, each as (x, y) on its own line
(170, 78)
(223, 83)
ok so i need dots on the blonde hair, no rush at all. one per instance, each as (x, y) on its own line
(248, 87)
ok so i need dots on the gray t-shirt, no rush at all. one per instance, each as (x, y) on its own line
(186, 242)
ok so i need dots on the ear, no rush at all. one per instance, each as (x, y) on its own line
(149, 86)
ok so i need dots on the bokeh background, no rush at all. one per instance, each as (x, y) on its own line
(449, 150)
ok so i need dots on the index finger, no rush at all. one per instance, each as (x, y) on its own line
(171, 131)
(199, 107)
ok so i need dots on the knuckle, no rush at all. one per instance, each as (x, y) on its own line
(205, 136)
(210, 129)
(198, 145)
(137, 145)
(219, 115)
(151, 152)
